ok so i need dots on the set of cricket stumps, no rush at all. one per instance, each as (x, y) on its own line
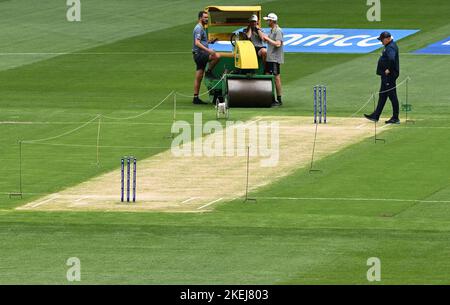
(320, 104)
(130, 164)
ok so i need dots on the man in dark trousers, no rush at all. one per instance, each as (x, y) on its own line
(389, 70)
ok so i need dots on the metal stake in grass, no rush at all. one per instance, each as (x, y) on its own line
(248, 173)
(311, 170)
(376, 139)
(20, 193)
(98, 139)
(174, 115)
(407, 107)
(324, 104)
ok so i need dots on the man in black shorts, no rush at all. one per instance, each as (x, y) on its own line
(275, 54)
(202, 55)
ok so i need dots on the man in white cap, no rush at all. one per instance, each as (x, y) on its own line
(256, 36)
(275, 54)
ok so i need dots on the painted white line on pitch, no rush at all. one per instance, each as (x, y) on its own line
(43, 202)
(252, 122)
(360, 126)
(79, 204)
(384, 126)
(189, 199)
(208, 204)
(82, 198)
(354, 199)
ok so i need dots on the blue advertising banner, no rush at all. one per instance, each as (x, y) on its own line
(309, 40)
(439, 48)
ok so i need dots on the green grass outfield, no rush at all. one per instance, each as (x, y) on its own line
(390, 201)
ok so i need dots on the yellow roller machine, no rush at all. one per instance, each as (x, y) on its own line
(241, 80)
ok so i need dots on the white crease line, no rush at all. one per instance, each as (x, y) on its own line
(251, 122)
(354, 199)
(42, 202)
(189, 199)
(79, 204)
(384, 126)
(360, 126)
(208, 204)
(82, 198)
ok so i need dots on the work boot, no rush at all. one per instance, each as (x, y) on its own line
(275, 104)
(371, 117)
(393, 121)
(279, 100)
(198, 101)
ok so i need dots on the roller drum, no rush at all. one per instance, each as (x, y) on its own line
(250, 93)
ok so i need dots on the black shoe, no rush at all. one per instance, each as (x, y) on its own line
(371, 117)
(197, 101)
(279, 100)
(275, 104)
(210, 75)
(393, 121)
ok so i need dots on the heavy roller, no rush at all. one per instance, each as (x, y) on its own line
(241, 81)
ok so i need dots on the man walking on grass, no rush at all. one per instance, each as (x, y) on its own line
(389, 70)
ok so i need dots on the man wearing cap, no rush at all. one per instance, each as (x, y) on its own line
(202, 54)
(389, 70)
(275, 54)
(256, 36)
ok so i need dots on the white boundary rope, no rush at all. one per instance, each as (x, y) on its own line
(206, 92)
(101, 146)
(377, 93)
(63, 134)
(98, 140)
(141, 114)
(99, 118)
